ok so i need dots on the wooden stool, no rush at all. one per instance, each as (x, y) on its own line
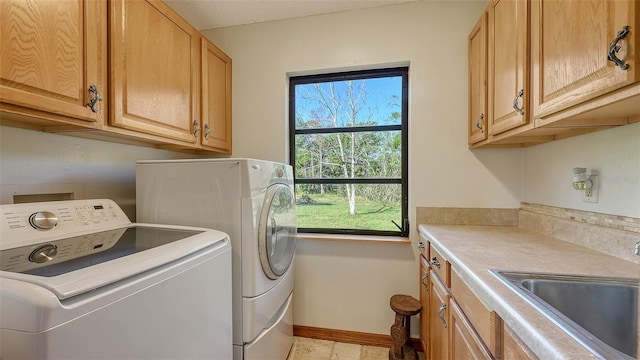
(405, 306)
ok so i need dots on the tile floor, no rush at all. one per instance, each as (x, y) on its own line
(314, 349)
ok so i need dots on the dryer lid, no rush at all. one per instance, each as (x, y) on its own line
(74, 265)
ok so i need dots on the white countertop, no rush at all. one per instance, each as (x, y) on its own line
(474, 250)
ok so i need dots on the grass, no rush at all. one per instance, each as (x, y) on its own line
(332, 211)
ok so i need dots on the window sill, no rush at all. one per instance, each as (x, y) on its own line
(354, 238)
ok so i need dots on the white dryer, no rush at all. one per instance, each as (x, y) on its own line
(253, 201)
(80, 281)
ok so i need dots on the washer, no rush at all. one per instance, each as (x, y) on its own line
(253, 201)
(80, 281)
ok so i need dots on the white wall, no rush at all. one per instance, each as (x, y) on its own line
(32, 160)
(614, 154)
(343, 285)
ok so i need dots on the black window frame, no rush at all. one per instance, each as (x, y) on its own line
(403, 72)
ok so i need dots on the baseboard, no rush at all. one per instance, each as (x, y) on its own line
(351, 337)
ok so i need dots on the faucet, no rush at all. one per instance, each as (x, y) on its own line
(637, 248)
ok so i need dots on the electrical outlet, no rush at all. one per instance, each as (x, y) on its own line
(591, 195)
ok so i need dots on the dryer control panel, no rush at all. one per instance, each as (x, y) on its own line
(35, 223)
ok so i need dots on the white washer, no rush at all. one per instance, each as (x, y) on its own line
(80, 281)
(253, 201)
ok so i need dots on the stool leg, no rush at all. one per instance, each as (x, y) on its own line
(399, 337)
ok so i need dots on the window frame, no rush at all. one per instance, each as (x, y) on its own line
(403, 72)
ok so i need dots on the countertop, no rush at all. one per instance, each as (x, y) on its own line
(474, 250)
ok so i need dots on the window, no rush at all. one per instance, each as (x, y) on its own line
(348, 144)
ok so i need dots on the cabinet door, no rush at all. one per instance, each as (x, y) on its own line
(508, 64)
(155, 68)
(514, 348)
(478, 81)
(216, 98)
(424, 299)
(52, 52)
(438, 319)
(465, 343)
(570, 44)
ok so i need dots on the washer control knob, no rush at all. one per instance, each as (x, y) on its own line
(43, 253)
(43, 220)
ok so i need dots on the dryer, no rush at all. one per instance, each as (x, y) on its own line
(254, 202)
(80, 281)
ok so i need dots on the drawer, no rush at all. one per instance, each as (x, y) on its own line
(486, 323)
(439, 265)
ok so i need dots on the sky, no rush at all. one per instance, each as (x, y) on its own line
(379, 93)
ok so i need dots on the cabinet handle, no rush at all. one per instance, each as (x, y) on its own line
(207, 131)
(196, 128)
(519, 110)
(94, 98)
(425, 277)
(440, 311)
(614, 48)
(435, 262)
(479, 122)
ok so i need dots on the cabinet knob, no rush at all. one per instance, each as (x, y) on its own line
(95, 97)
(614, 48)
(519, 110)
(435, 262)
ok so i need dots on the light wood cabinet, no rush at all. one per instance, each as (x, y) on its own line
(154, 71)
(52, 53)
(508, 64)
(477, 46)
(168, 87)
(216, 98)
(424, 300)
(465, 343)
(570, 48)
(548, 73)
(513, 348)
(438, 318)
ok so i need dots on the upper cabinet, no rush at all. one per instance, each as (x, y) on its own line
(168, 87)
(508, 64)
(581, 50)
(154, 70)
(53, 60)
(558, 68)
(216, 98)
(478, 81)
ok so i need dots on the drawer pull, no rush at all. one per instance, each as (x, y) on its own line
(94, 98)
(479, 123)
(196, 128)
(435, 262)
(614, 48)
(440, 311)
(519, 110)
(425, 277)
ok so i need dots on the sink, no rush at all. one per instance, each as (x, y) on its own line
(601, 313)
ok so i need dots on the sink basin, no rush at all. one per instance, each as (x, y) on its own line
(601, 313)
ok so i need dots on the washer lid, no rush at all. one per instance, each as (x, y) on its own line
(74, 265)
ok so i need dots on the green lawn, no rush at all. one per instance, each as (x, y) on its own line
(332, 211)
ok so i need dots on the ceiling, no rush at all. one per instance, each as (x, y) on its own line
(209, 14)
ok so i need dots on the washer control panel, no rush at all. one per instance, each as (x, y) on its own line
(38, 223)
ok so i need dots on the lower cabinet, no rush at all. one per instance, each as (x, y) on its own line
(456, 325)
(424, 299)
(513, 348)
(438, 318)
(465, 342)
